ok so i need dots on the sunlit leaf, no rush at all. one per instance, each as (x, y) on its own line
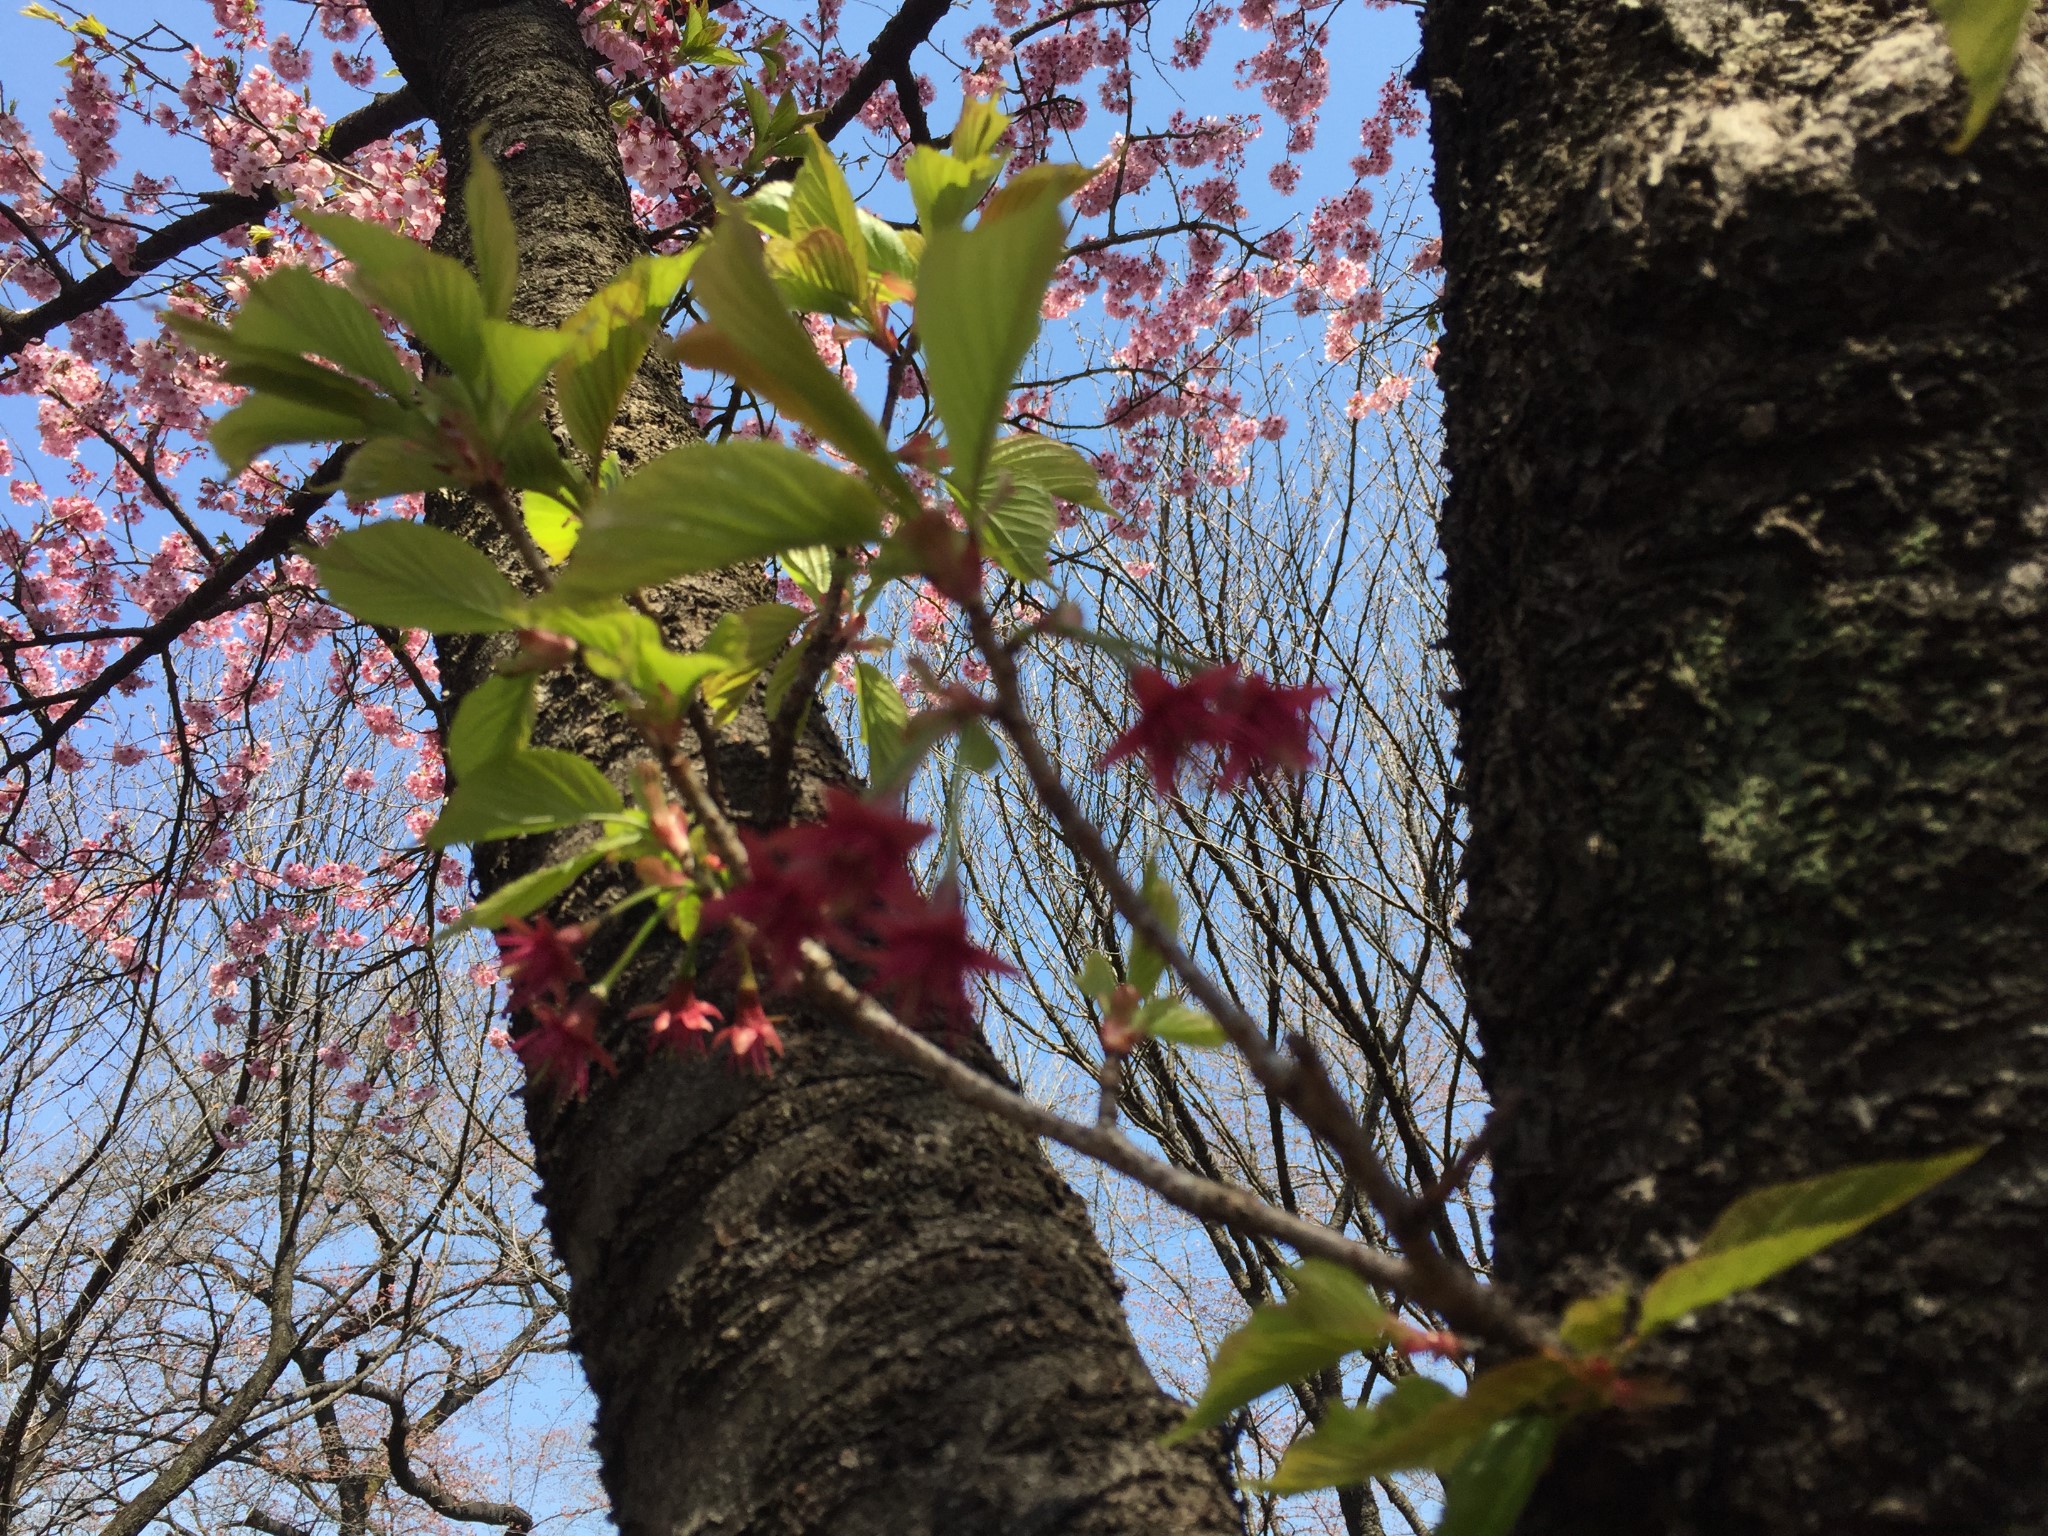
(754, 338)
(532, 791)
(493, 242)
(1329, 1313)
(607, 338)
(1984, 35)
(434, 295)
(1773, 1229)
(978, 297)
(1097, 976)
(705, 506)
(1593, 1325)
(492, 723)
(1417, 1427)
(883, 719)
(1018, 524)
(553, 524)
(524, 896)
(1171, 1020)
(411, 576)
(1485, 1492)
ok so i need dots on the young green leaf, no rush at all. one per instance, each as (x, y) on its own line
(1592, 1325)
(1049, 466)
(1018, 524)
(810, 568)
(1171, 1020)
(411, 576)
(515, 360)
(264, 421)
(820, 199)
(394, 466)
(744, 645)
(1773, 1229)
(1097, 976)
(295, 311)
(704, 506)
(977, 749)
(607, 338)
(1328, 1314)
(491, 724)
(531, 791)
(524, 896)
(1984, 35)
(884, 718)
(553, 524)
(1147, 965)
(1485, 1492)
(433, 295)
(493, 242)
(754, 338)
(978, 297)
(1417, 1427)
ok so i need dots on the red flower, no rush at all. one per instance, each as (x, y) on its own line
(539, 960)
(820, 880)
(1174, 719)
(1268, 730)
(923, 957)
(751, 1036)
(561, 1046)
(1253, 727)
(682, 1020)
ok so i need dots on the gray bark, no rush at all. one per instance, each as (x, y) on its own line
(836, 1301)
(1747, 402)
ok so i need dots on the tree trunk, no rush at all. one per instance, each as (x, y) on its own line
(835, 1301)
(1746, 386)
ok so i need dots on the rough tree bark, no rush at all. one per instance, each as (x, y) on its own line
(835, 1301)
(1747, 402)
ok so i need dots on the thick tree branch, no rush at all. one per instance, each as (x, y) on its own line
(424, 1486)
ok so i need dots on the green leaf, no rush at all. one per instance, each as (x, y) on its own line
(492, 723)
(532, 791)
(945, 186)
(819, 274)
(264, 421)
(393, 466)
(1984, 35)
(411, 576)
(1097, 976)
(1773, 1229)
(1485, 1492)
(978, 296)
(1050, 466)
(810, 568)
(515, 360)
(493, 242)
(1017, 525)
(1171, 1020)
(1592, 1325)
(705, 506)
(1329, 1313)
(744, 645)
(607, 338)
(884, 719)
(1419, 1425)
(294, 310)
(433, 295)
(754, 338)
(978, 752)
(553, 524)
(524, 896)
(820, 199)
(1147, 964)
